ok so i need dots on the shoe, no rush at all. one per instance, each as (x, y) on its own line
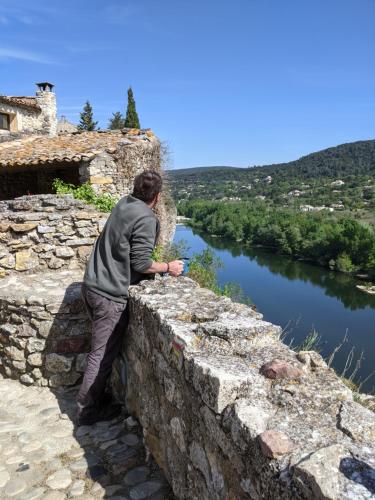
(91, 416)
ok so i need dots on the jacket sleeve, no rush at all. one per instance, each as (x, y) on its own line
(142, 243)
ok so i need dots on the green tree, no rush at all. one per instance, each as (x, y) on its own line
(131, 119)
(86, 121)
(117, 121)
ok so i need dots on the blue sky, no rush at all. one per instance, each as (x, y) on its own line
(224, 83)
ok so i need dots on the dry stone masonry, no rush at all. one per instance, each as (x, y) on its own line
(43, 232)
(230, 412)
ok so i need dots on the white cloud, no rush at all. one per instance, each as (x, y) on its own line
(23, 55)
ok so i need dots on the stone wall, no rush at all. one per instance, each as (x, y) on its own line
(26, 121)
(230, 412)
(227, 410)
(44, 328)
(43, 232)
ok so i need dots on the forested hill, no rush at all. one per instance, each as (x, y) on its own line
(309, 179)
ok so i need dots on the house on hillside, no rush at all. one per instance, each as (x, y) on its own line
(28, 115)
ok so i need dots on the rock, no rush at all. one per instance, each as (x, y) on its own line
(84, 253)
(130, 422)
(357, 422)
(32, 494)
(25, 330)
(35, 345)
(26, 379)
(79, 242)
(44, 328)
(57, 363)
(4, 478)
(199, 459)
(9, 262)
(177, 433)
(64, 252)
(14, 487)
(274, 444)
(278, 369)
(137, 475)
(59, 480)
(35, 359)
(23, 228)
(55, 263)
(130, 439)
(246, 421)
(77, 489)
(45, 229)
(14, 353)
(311, 359)
(318, 474)
(145, 490)
(26, 260)
(62, 379)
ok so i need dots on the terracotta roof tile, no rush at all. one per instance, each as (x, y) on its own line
(37, 150)
(22, 101)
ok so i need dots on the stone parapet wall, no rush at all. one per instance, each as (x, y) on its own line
(227, 410)
(44, 328)
(230, 412)
(43, 232)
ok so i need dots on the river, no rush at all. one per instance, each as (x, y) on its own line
(299, 297)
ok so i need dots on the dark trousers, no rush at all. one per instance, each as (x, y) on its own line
(109, 322)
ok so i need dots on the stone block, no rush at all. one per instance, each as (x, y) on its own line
(64, 379)
(58, 363)
(14, 354)
(278, 369)
(64, 252)
(275, 444)
(246, 420)
(219, 380)
(318, 475)
(35, 359)
(35, 345)
(25, 330)
(9, 262)
(55, 263)
(79, 242)
(26, 260)
(357, 422)
(45, 229)
(23, 228)
(26, 379)
(101, 180)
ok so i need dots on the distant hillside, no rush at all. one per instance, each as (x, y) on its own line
(307, 180)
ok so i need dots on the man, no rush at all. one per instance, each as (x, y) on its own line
(121, 257)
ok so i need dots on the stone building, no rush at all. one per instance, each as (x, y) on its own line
(28, 115)
(64, 126)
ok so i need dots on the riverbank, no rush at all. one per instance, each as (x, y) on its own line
(343, 245)
(297, 295)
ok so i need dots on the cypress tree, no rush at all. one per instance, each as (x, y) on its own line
(116, 122)
(86, 121)
(131, 120)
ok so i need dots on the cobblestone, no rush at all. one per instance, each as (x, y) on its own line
(43, 454)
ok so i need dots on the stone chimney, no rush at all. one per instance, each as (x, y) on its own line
(47, 102)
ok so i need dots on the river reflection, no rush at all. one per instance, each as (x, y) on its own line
(299, 296)
(339, 285)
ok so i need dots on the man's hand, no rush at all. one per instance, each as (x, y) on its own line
(176, 267)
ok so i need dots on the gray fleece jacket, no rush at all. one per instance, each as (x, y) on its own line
(123, 250)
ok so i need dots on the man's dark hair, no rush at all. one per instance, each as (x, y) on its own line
(147, 185)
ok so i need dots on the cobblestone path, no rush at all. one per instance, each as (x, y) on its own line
(44, 455)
